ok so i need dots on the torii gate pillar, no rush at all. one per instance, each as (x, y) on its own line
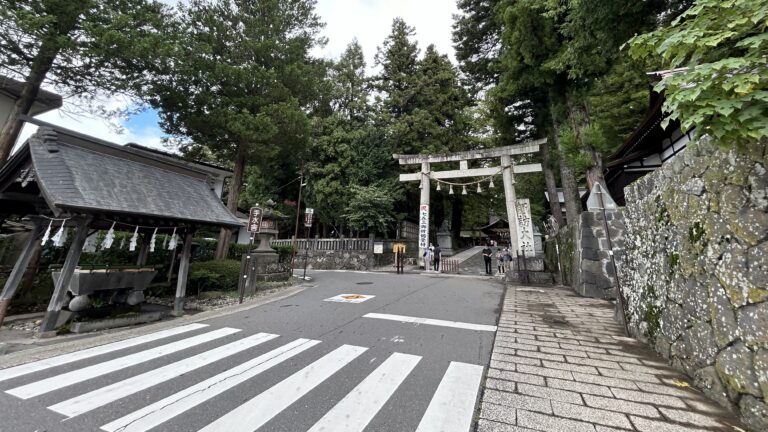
(510, 198)
(425, 186)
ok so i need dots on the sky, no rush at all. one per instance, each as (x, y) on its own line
(367, 20)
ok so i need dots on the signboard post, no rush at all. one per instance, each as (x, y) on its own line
(309, 214)
(254, 227)
(254, 219)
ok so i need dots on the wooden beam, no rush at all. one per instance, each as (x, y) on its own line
(18, 269)
(181, 281)
(474, 172)
(60, 289)
(517, 149)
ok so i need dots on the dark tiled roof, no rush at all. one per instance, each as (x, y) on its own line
(78, 174)
(44, 97)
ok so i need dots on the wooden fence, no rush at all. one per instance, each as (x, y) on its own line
(449, 266)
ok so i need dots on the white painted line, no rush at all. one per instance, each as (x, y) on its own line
(357, 409)
(253, 414)
(430, 321)
(80, 375)
(350, 298)
(100, 397)
(453, 404)
(39, 365)
(170, 407)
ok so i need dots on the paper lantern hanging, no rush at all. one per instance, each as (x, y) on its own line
(479, 189)
(450, 190)
(109, 238)
(61, 235)
(464, 190)
(134, 239)
(491, 185)
(438, 185)
(47, 234)
(152, 241)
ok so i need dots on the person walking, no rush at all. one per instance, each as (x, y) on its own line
(436, 257)
(487, 253)
(428, 258)
(500, 261)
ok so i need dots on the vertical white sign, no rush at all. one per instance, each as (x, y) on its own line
(525, 227)
(424, 226)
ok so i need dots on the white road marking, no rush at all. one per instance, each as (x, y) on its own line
(39, 365)
(430, 321)
(350, 298)
(453, 404)
(178, 403)
(357, 409)
(100, 397)
(256, 412)
(79, 375)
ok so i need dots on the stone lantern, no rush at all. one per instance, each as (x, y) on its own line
(263, 263)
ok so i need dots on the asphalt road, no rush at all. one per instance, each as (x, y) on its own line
(298, 364)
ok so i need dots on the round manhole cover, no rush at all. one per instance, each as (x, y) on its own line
(365, 283)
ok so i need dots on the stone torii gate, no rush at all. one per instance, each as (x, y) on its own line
(507, 169)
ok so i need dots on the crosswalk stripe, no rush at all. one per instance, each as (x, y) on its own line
(80, 375)
(259, 410)
(39, 365)
(164, 410)
(453, 404)
(357, 409)
(431, 321)
(100, 397)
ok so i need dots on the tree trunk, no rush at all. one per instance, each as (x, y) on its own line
(225, 235)
(549, 179)
(567, 177)
(12, 127)
(578, 115)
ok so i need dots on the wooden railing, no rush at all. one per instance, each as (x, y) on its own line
(350, 244)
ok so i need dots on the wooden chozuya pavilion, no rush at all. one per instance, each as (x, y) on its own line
(60, 177)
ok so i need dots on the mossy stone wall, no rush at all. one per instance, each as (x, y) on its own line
(695, 273)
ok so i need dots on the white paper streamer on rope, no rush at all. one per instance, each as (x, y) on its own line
(90, 243)
(134, 239)
(174, 241)
(122, 243)
(47, 234)
(61, 235)
(152, 241)
(165, 241)
(109, 238)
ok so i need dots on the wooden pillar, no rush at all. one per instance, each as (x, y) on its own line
(510, 198)
(61, 286)
(143, 249)
(18, 270)
(181, 281)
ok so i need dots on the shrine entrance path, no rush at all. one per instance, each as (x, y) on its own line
(561, 363)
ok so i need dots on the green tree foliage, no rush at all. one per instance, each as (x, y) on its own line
(721, 88)
(81, 47)
(240, 82)
(477, 40)
(369, 208)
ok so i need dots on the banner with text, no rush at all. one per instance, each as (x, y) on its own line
(424, 226)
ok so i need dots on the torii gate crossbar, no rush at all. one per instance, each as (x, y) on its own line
(508, 171)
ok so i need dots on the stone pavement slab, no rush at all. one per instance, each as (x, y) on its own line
(561, 363)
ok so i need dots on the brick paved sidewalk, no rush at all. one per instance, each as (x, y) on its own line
(560, 363)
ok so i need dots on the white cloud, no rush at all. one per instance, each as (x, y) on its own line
(369, 21)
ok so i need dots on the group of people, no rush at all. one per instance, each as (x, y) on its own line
(502, 257)
(432, 258)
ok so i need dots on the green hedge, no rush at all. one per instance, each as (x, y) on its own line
(221, 275)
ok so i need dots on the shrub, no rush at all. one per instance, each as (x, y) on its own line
(221, 275)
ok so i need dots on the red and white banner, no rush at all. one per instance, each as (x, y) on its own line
(424, 226)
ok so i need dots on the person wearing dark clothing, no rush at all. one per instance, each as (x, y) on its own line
(487, 253)
(436, 255)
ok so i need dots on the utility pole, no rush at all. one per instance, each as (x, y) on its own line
(296, 224)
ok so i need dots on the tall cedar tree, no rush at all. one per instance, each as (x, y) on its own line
(81, 47)
(241, 83)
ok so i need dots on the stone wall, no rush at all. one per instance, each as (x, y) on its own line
(560, 248)
(596, 275)
(695, 273)
(337, 260)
